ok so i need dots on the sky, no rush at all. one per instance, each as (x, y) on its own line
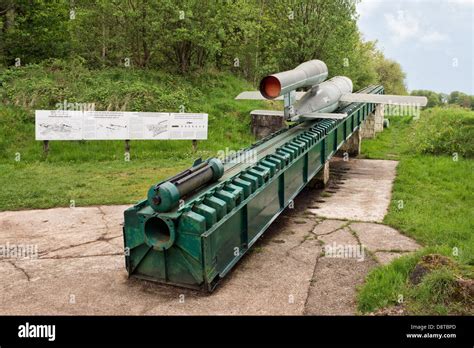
(431, 39)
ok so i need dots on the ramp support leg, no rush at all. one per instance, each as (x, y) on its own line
(351, 147)
(321, 179)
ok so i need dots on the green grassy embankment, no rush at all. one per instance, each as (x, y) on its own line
(435, 185)
(95, 172)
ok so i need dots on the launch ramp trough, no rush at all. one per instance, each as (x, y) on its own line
(196, 226)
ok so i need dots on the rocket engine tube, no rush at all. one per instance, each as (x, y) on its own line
(165, 196)
(329, 92)
(307, 74)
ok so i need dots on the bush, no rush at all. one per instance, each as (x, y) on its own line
(445, 131)
(56, 81)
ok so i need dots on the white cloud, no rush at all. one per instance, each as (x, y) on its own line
(405, 26)
(402, 27)
(427, 35)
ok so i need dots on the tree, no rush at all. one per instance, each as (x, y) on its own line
(434, 99)
(249, 37)
(34, 30)
(390, 74)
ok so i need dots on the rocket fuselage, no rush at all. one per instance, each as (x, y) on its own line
(324, 97)
(307, 74)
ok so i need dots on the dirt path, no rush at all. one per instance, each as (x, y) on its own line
(306, 263)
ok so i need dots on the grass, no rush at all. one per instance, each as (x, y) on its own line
(45, 185)
(95, 172)
(436, 292)
(437, 202)
(388, 144)
(432, 202)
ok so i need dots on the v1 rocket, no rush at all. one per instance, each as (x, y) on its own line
(323, 96)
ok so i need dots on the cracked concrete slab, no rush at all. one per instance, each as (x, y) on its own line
(327, 226)
(386, 257)
(346, 263)
(339, 237)
(378, 237)
(333, 290)
(59, 231)
(359, 190)
(80, 269)
(363, 190)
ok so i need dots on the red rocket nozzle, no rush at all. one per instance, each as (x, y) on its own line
(270, 87)
(306, 74)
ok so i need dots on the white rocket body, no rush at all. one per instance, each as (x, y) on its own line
(323, 98)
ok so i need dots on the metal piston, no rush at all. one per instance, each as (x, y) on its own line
(165, 196)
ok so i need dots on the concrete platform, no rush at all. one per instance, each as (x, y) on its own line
(78, 267)
(364, 189)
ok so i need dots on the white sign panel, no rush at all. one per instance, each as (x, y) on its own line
(58, 125)
(188, 126)
(149, 125)
(105, 125)
(118, 125)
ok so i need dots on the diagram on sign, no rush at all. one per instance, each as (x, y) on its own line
(112, 127)
(103, 125)
(58, 125)
(157, 129)
(149, 125)
(56, 128)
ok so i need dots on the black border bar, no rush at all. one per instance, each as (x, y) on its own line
(222, 330)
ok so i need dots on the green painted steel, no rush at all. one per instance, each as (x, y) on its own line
(197, 243)
(166, 195)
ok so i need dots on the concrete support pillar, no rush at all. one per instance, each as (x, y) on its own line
(266, 122)
(373, 123)
(379, 114)
(367, 128)
(321, 179)
(352, 145)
